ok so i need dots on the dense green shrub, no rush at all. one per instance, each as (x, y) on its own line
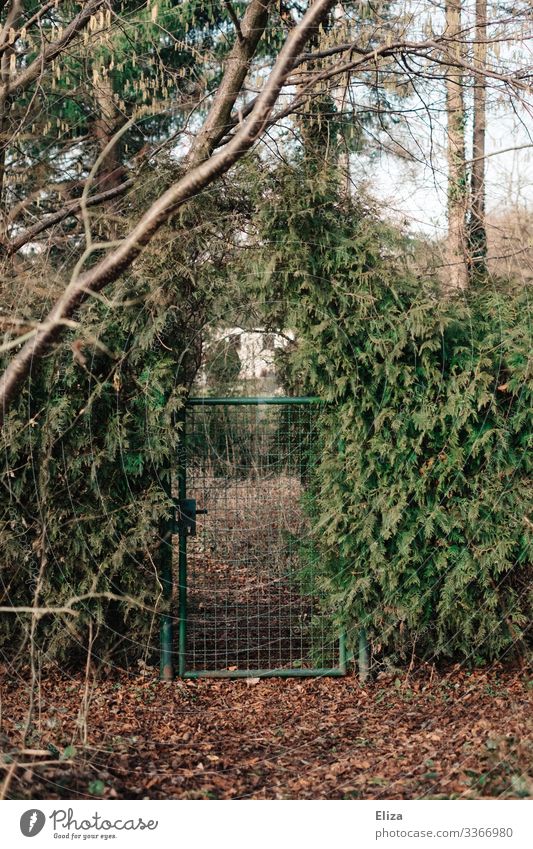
(84, 457)
(87, 450)
(423, 496)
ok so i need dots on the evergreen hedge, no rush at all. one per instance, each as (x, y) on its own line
(88, 449)
(422, 503)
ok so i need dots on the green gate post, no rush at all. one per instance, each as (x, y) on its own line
(343, 654)
(182, 549)
(166, 671)
(363, 656)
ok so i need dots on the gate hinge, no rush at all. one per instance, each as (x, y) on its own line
(186, 513)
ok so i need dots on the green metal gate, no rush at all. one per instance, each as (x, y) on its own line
(249, 604)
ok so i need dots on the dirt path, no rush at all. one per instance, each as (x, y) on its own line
(429, 736)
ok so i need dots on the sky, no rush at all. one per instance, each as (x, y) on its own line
(415, 193)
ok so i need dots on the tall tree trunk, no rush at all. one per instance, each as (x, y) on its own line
(249, 33)
(456, 248)
(110, 173)
(477, 230)
(4, 89)
(313, 121)
(11, 21)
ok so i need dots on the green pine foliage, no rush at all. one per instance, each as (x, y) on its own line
(88, 450)
(422, 503)
(86, 455)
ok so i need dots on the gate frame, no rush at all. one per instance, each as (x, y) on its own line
(176, 524)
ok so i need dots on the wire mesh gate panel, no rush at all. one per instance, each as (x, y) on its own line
(249, 604)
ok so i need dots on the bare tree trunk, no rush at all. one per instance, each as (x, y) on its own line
(477, 231)
(314, 126)
(5, 77)
(111, 172)
(456, 248)
(248, 33)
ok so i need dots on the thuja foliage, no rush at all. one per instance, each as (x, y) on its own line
(422, 502)
(88, 450)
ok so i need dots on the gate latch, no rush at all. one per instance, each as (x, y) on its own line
(186, 514)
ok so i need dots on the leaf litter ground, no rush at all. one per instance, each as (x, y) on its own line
(452, 734)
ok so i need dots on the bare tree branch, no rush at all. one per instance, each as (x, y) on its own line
(54, 49)
(71, 208)
(423, 49)
(236, 23)
(238, 62)
(193, 182)
(27, 24)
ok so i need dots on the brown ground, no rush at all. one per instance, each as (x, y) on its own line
(428, 735)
